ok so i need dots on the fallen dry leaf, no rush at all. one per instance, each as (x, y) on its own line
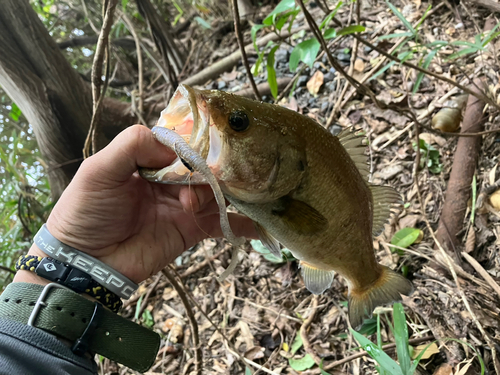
(255, 353)
(430, 351)
(315, 83)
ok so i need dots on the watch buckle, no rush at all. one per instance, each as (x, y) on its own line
(40, 302)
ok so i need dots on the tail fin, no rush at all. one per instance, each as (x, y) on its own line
(387, 289)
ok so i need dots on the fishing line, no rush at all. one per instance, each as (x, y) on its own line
(192, 210)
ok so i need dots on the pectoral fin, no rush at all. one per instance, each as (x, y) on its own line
(268, 241)
(316, 280)
(299, 216)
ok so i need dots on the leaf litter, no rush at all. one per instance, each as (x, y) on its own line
(262, 306)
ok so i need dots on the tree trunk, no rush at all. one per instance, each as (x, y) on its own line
(50, 93)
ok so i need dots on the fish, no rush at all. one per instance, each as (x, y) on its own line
(304, 188)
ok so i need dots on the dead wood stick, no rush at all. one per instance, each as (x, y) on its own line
(303, 331)
(239, 37)
(480, 270)
(228, 62)
(459, 185)
(264, 88)
(198, 356)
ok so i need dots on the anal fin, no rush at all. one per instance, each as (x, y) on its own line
(316, 280)
(385, 199)
(268, 241)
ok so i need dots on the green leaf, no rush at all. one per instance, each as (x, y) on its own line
(351, 30)
(385, 362)
(283, 6)
(305, 51)
(330, 34)
(401, 336)
(322, 372)
(248, 371)
(369, 326)
(426, 64)
(405, 237)
(402, 18)
(253, 32)
(265, 252)
(302, 364)
(327, 20)
(395, 35)
(297, 344)
(491, 35)
(15, 112)
(381, 71)
(421, 20)
(202, 22)
(462, 52)
(271, 73)
(255, 68)
(124, 3)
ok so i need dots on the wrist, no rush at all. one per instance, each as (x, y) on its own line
(22, 276)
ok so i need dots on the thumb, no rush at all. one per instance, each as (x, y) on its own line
(133, 148)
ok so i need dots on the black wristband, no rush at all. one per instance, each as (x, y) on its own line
(64, 274)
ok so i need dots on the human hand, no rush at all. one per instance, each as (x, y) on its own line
(135, 226)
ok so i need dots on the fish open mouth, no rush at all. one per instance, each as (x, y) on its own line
(187, 114)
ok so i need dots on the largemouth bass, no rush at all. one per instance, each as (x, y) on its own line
(303, 187)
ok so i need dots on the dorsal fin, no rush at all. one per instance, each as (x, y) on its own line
(385, 198)
(353, 143)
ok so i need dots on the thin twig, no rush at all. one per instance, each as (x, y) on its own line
(479, 269)
(140, 72)
(85, 11)
(303, 331)
(97, 97)
(239, 36)
(292, 318)
(181, 291)
(144, 301)
(7, 269)
(225, 338)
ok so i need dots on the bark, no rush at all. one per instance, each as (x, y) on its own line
(459, 186)
(50, 93)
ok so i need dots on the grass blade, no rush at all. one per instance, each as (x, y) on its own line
(386, 363)
(401, 336)
(402, 18)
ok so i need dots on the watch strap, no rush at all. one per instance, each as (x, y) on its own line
(66, 314)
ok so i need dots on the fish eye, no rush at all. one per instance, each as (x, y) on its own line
(238, 121)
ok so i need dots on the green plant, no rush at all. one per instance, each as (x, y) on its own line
(25, 193)
(429, 157)
(405, 364)
(306, 51)
(286, 255)
(412, 47)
